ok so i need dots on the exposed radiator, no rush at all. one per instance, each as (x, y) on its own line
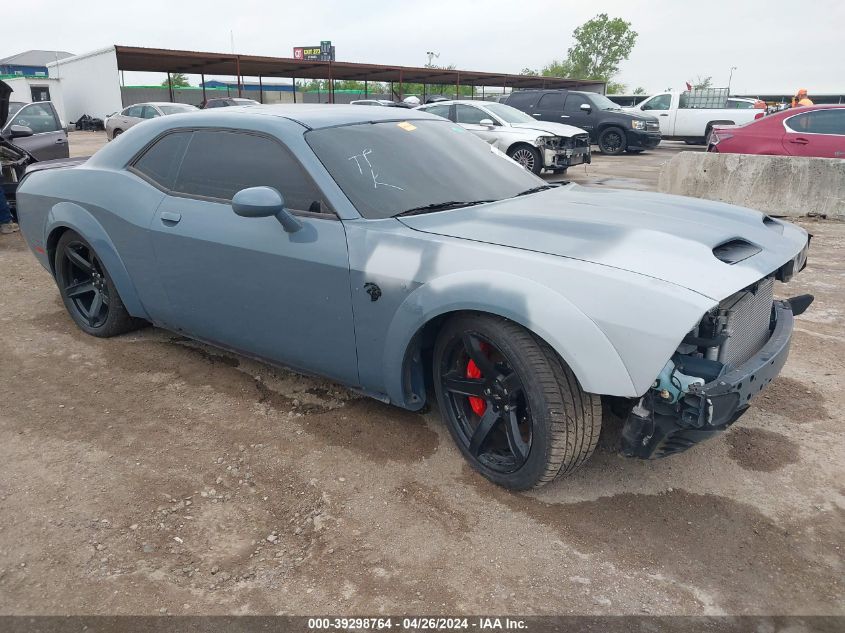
(748, 319)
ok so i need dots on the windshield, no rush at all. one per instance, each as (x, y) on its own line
(392, 167)
(509, 114)
(603, 103)
(176, 108)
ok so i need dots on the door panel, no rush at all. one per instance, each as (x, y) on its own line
(574, 115)
(818, 133)
(661, 107)
(49, 140)
(550, 108)
(247, 284)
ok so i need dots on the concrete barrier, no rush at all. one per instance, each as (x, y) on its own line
(779, 185)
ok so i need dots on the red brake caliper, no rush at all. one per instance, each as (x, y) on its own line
(477, 404)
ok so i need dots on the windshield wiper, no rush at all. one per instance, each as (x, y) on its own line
(535, 190)
(441, 206)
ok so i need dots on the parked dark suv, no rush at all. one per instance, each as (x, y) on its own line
(613, 129)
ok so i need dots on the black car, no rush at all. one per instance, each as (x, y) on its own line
(613, 129)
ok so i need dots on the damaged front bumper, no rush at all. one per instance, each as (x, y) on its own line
(657, 428)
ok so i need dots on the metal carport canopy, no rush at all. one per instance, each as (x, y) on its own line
(194, 62)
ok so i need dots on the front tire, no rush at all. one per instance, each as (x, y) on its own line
(515, 410)
(527, 156)
(612, 141)
(87, 289)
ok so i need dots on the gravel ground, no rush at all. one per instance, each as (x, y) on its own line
(148, 474)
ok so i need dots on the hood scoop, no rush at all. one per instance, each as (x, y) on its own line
(735, 250)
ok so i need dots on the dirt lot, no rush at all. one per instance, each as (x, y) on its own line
(149, 473)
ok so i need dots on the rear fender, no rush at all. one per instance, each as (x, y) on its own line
(67, 215)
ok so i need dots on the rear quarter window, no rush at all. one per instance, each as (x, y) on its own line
(521, 100)
(160, 162)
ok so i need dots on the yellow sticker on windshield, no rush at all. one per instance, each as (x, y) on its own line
(407, 126)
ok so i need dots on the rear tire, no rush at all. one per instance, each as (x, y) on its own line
(116, 133)
(529, 421)
(612, 141)
(87, 289)
(527, 156)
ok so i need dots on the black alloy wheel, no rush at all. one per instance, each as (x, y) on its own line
(612, 141)
(84, 283)
(515, 410)
(486, 398)
(87, 290)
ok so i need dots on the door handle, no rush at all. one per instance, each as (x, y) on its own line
(61, 141)
(564, 116)
(170, 218)
(536, 114)
(664, 114)
(799, 141)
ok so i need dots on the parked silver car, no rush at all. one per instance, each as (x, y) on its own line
(536, 145)
(118, 123)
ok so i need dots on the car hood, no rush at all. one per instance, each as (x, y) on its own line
(5, 93)
(657, 235)
(558, 129)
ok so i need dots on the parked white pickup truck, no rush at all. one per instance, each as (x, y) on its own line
(690, 116)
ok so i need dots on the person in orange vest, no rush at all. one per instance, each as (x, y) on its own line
(801, 99)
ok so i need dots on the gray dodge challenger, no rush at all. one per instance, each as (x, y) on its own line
(398, 254)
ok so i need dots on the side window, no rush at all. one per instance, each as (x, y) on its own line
(160, 163)
(149, 112)
(551, 101)
(38, 117)
(574, 103)
(800, 123)
(125, 111)
(136, 111)
(521, 100)
(471, 115)
(824, 121)
(209, 169)
(439, 110)
(660, 102)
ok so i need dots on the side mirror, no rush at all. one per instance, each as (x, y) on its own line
(487, 122)
(20, 131)
(586, 107)
(263, 202)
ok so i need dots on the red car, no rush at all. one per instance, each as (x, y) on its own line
(811, 131)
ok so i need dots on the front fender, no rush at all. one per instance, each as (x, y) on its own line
(67, 215)
(548, 314)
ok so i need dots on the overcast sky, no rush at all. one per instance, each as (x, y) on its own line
(776, 45)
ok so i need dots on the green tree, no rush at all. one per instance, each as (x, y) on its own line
(616, 88)
(177, 80)
(702, 83)
(529, 72)
(639, 90)
(601, 44)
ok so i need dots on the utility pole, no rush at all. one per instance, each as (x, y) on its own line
(733, 68)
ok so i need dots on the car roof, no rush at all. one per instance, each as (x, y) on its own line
(158, 103)
(322, 115)
(465, 101)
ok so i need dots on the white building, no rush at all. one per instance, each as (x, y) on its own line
(90, 83)
(26, 89)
